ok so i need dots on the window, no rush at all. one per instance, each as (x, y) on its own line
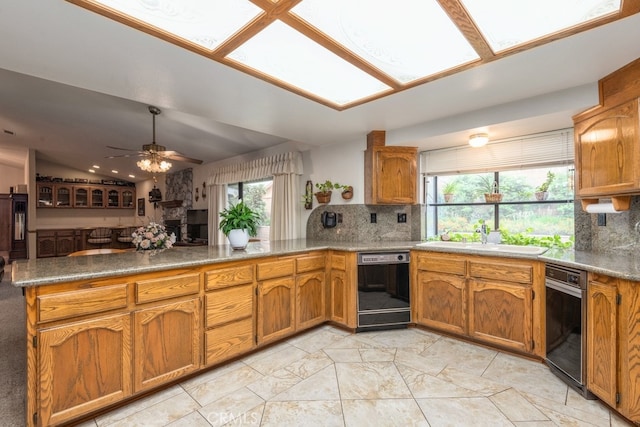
(256, 195)
(519, 210)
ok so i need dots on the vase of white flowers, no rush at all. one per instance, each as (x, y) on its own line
(153, 236)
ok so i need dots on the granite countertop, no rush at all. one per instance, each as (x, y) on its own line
(42, 271)
(622, 264)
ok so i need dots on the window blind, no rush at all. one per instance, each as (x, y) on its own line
(542, 149)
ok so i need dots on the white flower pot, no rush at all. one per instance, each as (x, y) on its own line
(238, 239)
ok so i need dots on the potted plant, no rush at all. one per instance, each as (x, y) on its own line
(542, 191)
(347, 192)
(239, 222)
(491, 191)
(448, 190)
(323, 195)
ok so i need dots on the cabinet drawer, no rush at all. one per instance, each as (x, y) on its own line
(227, 341)
(272, 269)
(310, 263)
(338, 262)
(505, 272)
(80, 302)
(167, 287)
(229, 304)
(442, 264)
(231, 276)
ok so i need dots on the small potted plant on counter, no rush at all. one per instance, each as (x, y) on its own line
(239, 222)
(542, 191)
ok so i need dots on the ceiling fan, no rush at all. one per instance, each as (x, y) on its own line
(154, 152)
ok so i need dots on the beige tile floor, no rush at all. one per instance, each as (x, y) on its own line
(329, 377)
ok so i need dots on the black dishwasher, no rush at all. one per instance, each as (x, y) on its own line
(383, 290)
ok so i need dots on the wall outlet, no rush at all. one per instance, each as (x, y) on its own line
(402, 217)
(339, 218)
(374, 218)
(602, 219)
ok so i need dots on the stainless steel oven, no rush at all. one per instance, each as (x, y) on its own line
(383, 290)
(566, 325)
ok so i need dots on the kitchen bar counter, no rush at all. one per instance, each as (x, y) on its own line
(45, 271)
(625, 265)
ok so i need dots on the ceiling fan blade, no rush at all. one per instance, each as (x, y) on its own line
(138, 154)
(118, 148)
(174, 155)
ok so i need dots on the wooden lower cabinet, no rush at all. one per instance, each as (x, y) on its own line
(82, 367)
(489, 299)
(501, 314)
(310, 300)
(613, 343)
(166, 343)
(343, 289)
(441, 301)
(52, 243)
(276, 309)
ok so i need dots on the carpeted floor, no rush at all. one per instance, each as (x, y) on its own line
(12, 353)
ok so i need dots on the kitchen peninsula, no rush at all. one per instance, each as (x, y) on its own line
(134, 322)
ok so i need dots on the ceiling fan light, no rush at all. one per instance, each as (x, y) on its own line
(478, 140)
(153, 165)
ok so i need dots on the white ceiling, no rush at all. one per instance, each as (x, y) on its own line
(73, 82)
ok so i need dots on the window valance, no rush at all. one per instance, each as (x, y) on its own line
(279, 164)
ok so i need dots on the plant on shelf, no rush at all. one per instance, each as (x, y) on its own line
(324, 190)
(491, 190)
(542, 191)
(239, 222)
(449, 190)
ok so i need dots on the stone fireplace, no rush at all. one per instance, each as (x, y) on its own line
(179, 186)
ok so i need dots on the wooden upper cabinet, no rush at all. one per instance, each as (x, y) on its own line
(607, 141)
(62, 195)
(608, 151)
(390, 172)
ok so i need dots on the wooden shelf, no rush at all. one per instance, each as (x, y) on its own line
(171, 204)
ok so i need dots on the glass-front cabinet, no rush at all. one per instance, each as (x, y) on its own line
(63, 196)
(113, 199)
(80, 197)
(84, 196)
(97, 198)
(45, 195)
(127, 198)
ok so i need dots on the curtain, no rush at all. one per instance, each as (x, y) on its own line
(284, 209)
(217, 196)
(284, 168)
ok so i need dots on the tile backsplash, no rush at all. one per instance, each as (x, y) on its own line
(357, 223)
(620, 232)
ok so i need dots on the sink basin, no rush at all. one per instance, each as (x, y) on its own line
(489, 247)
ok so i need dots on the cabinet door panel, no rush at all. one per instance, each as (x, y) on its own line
(607, 152)
(83, 367)
(500, 313)
(394, 174)
(441, 301)
(167, 343)
(310, 300)
(276, 309)
(601, 341)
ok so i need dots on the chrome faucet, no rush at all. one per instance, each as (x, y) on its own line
(484, 232)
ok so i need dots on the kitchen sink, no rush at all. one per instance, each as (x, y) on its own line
(489, 247)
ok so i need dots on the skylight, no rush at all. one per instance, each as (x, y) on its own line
(342, 53)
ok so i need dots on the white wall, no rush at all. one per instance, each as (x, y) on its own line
(11, 177)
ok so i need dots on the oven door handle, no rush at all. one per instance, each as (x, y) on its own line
(561, 287)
